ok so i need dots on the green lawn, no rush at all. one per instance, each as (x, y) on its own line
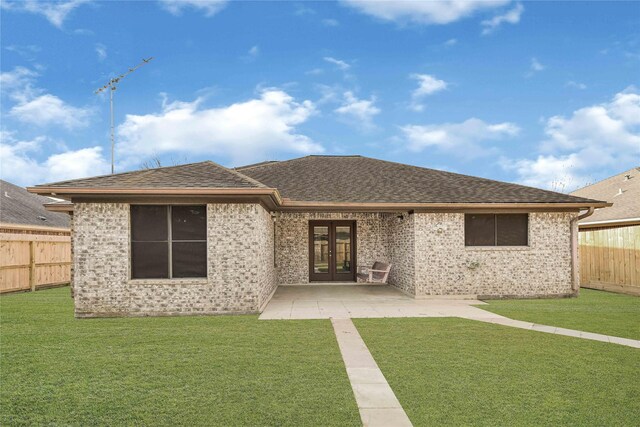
(459, 372)
(593, 311)
(228, 370)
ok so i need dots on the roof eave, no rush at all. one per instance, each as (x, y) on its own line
(433, 207)
(271, 194)
(164, 191)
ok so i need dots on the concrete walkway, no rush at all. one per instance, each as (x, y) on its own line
(505, 321)
(377, 403)
(363, 301)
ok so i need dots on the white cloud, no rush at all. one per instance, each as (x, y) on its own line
(427, 85)
(48, 109)
(20, 165)
(535, 67)
(17, 79)
(510, 17)
(244, 131)
(252, 54)
(55, 12)
(101, 51)
(358, 111)
(451, 42)
(594, 138)
(576, 85)
(462, 138)
(301, 10)
(330, 22)
(423, 12)
(28, 51)
(207, 7)
(36, 107)
(344, 66)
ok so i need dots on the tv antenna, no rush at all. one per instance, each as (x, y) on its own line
(111, 86)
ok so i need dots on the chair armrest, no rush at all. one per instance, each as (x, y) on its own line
(378, 271)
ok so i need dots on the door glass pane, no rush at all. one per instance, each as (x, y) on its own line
(343, 249)
(320, 249)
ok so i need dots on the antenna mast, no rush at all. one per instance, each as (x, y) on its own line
(111, 86)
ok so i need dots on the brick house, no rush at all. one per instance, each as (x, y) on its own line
(202, 238)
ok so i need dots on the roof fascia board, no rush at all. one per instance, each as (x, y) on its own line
(418, 207)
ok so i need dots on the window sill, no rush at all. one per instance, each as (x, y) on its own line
(183, 281)
(497, 248)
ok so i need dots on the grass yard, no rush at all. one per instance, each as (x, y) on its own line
(593, 311)
(459, 372)
(228, 370)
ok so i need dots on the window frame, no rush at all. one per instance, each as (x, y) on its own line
(170, 241)
(495, 231)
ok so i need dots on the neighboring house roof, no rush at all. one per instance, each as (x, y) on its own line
(320, 181)
(623, 190)
(18, 206)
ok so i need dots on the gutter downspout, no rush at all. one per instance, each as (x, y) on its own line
(575, 276)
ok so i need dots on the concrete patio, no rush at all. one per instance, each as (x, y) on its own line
(360, 301)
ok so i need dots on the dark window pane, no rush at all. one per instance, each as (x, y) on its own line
(512, 229)
(189, 223)
(479, 230)
(148, 223)
(189, 259)
(149, 260)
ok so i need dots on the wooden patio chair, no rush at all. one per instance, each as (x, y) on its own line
(379, 273)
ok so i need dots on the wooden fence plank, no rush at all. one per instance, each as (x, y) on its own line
(29, 261)
(610, 258)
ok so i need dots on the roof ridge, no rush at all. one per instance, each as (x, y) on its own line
(282, 162)
(241, 175)
(273, 163)
(255, 165)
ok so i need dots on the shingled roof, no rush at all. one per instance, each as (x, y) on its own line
(321, 180)
(623, 190)
(193, 175)
(357, 179)
(17, 206)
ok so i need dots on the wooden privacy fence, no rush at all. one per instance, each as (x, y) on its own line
(610, 259)
(34, 257)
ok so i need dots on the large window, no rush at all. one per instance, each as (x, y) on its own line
(496, 229)
(168, 241)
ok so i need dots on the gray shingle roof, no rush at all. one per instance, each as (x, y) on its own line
(359, 179)
(623, 190)
(197, 175)
(17, 206)
(329, 179)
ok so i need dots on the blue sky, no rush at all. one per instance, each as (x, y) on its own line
(540, 93)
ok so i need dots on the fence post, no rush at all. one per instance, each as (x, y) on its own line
(32, 265)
